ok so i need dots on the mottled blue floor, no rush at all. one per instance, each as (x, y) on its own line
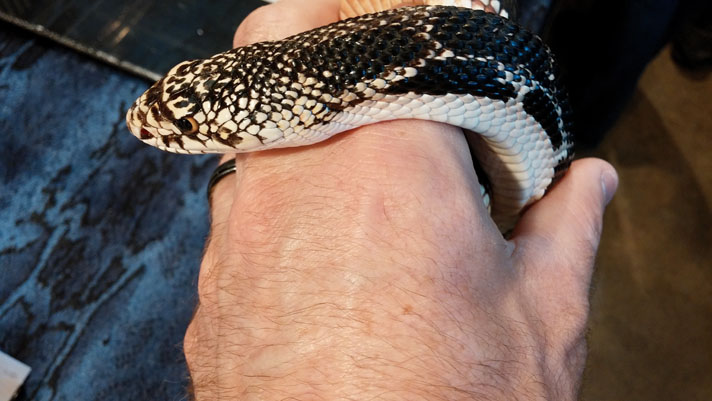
(100, 235)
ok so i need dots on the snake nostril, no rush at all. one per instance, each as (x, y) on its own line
(145, 134)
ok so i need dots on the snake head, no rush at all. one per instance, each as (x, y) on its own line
(176, 113)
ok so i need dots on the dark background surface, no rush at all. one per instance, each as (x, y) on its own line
(147, 37)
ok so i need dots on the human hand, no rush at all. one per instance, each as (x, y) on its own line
(366, 267)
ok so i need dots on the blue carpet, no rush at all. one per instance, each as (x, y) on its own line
(100, 235)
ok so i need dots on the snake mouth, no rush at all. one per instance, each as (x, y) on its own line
(154, 132)
(157, 142)
(145, 134)
(137, 125)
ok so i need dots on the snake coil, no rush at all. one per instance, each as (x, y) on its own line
(459, 66)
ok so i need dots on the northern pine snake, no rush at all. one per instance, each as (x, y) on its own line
(459, 66)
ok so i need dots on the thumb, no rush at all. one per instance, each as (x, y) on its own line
(562, 231)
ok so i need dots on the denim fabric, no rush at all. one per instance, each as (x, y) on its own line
(100, 235)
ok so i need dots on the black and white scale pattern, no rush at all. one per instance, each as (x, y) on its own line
(459, 66)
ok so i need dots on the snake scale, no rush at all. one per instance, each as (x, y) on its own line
(460, 66)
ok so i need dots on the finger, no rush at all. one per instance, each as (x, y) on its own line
(285, 18)
(559, 235)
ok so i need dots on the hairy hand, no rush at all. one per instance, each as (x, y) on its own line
(366, 267)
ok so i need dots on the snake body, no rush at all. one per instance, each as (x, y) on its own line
(460, 66)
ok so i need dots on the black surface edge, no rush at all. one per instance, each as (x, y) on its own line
(86, 50)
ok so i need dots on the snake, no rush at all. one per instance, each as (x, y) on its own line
(472, 69)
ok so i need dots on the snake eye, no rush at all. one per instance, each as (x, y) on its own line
(187, 125)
